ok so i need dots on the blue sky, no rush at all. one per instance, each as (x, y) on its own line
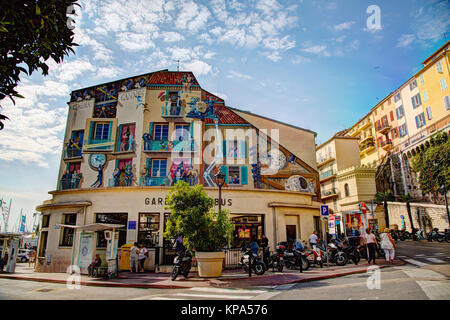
(313, 64)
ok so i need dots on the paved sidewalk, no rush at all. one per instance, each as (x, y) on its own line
(229, 278)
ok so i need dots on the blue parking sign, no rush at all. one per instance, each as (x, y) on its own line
(324, 210)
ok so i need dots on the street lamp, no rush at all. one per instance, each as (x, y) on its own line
(220, 181)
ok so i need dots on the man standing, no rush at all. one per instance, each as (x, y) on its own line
(134, 258)
(313, 239)
(143, 254)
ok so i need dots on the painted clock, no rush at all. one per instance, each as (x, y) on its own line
(97, 159)
(277, 159)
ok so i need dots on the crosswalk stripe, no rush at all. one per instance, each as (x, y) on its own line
(225, 290)
(435, 260)
(417, 263)
(218, 296)
(163, 298)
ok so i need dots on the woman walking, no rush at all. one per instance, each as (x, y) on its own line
(371, 242)
(388, 245)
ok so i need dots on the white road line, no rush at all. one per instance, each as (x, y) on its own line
(419, 255)
(417, 263)
(266, 296)
(435, 291)
(285, 286)
(217, 296)
(224, 290)
(435, 260)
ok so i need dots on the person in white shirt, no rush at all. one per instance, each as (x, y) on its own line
(143, 254)
(388, 245)
(313, 239)
(134, 258)
(371, 242)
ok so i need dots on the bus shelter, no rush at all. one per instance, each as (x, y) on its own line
(10, 243)
(84, 252)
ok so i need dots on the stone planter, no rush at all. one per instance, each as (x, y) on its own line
(210, 263)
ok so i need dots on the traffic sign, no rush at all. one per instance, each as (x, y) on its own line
(324, 210)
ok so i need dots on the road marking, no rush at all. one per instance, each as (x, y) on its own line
(266, 296)
(285, 286)
(435, 290)
(419, 255)
(435, 260)
(417, 263)
(161, 298)
(225, 290)
(217, 296)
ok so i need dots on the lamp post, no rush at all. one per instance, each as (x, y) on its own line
(220, 181)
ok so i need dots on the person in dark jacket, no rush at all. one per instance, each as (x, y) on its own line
(97, 262)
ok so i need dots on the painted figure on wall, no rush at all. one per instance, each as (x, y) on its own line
(116, 176)
(186, 81)
(131, 141)
(125, 138)
(128, 174)
(99, 181)
(147, 138)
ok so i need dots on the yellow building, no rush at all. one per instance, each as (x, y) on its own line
(128, 141)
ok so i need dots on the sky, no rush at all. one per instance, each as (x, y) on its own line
(319, 65)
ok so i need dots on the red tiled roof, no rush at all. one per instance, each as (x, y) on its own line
(206, 94)
(226, 116)
(171, 77)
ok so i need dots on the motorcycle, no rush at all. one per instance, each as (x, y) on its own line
(315, 256)
(335, 254)
(351, 251)
(274, 261)
(293, 257)
(436, 235)
(404, 235)
(248, 256)
(181, 264)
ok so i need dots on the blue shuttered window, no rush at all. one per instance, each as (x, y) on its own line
(243, 174)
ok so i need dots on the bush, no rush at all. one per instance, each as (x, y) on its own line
(193, 217)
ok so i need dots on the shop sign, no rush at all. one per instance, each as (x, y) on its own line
(160, 201)
(131, 225)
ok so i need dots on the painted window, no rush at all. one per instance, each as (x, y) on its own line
(234, 175)
(447, 102)
(420, 120)
(101, 135)
(161, 132)
(391, 114)
(127, 137)
(425, 95)
(439, 67)
(67, 233)
(159, 167)
(101, 131)
(443, 84)
(182, 132)
(43, 243)
(400, 112)
(413, 85)
(397, 97)
(429, 114)
(416, 101)
(45, 221)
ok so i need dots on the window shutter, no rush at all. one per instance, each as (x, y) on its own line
(417, 122)
(392, 115)
(150, 130)
(119, 139)
(224, 150)
(447, 102)
(413, 102)
(109, 132)
(244, 149)
(224, 170)
(243, 174)
(91, 132)
(191, 129)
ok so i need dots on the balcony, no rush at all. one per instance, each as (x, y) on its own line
(366, 145)
(362, 126)
(327, 175)
(72, 153)
(125, 147)
(386, 145)
(329, 193)
(172, 112)
(384, 128)
(324, 160)
(70, 181)
(169, 146)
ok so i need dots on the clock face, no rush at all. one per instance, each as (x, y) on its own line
(97, 159)
(277, 159)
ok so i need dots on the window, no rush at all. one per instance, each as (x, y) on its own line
(161, 132)
(429, 114)
(182, 132)
(397, 97)
(148, 233)
(420, 120)
(112, 218)
(71, 178)
(413, 85)
(101, 131)
(159, 168)
(67, 233)
(443, 84)
(447, 102)
(425, 95)
(127, 137)
(400, 112)
(119, 175)
(422, 80)
(75, 144)
(43, 244)
(416, 101)
(45, 221)
(347, 190)
(173, 98)
(402, 130)
(234, 175)
(439, 67)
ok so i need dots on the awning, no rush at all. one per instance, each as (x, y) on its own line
(94, 227)
(74, 204)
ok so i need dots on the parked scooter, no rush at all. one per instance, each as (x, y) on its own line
(275, 260)
(181, 264)
(351, 251)
(257, 264)
(315, 256)
(293, 258)
(436, 235)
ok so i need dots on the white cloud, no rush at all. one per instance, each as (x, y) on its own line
(134, 41)
(171, 36)
(69, 71)
(405, 40)
(318, 49)
(300, 59)
(198, 67)
(191, 16)
(343, 26)
(235, 74)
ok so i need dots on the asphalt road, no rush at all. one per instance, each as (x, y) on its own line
(428, 279)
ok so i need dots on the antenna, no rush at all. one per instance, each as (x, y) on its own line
(178, 64)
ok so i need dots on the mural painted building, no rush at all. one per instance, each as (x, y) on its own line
(128, 141)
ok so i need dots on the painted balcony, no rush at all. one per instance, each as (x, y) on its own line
(384, 128)
(367, 145)
(70, 181)
(153, 181)
(124, 147)
(169, 146)
(329, 193)
(386, 145)
(172, 111)
(72, 153)
(327, 175)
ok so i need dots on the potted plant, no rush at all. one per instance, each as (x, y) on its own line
(204, 231)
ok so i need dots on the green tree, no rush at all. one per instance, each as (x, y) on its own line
(383, 198)
(408, 199)
(31, 32)
(432, 164)
(193, 217)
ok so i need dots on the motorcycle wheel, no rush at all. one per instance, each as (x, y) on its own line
(341, 259)
(305, 264)
(260, 268)
(280, 267)
(402, 238)
(356, 257)
(447, 238)
(440, 239)
(186, 272)
(175, 271)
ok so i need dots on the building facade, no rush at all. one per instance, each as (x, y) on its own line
(128, 141)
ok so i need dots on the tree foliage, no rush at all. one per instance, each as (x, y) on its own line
(31, 32)
(193, 217)
(432, 164)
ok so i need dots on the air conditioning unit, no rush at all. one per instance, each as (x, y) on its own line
(108, 234)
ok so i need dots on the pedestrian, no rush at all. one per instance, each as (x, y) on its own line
(313, 239)
(97, 262)
(371, 243)
(134, 258)
(388, 245)
(254, 246)
(264, 241)
(143, 254)
(32, 258)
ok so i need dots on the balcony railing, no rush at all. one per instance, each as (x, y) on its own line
(385, 127)
(72, 152)
(172, 111)
(366, 144)
(324, 159)
(124, 146)
(328, 193)
(326, 174)
(70, 181)
(386, 145)
(169, 146)
(147, 181)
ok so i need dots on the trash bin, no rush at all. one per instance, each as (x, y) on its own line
(125, 256)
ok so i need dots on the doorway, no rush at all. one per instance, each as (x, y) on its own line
(291, 233)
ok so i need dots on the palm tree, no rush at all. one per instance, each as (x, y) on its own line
(407, 198)
(381, 197)
(2, 117)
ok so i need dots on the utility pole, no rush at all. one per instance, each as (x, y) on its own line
(178, 65)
